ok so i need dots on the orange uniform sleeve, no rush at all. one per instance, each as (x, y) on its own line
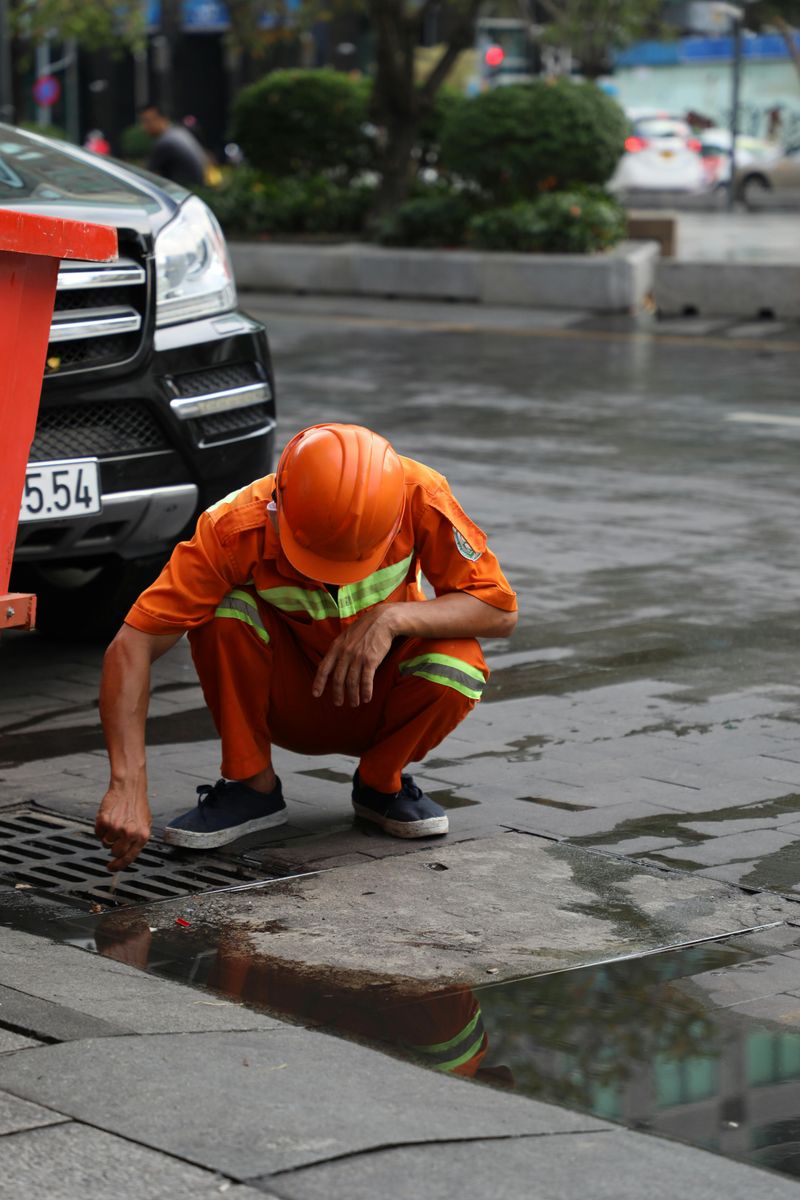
(453, 552)
(197, 576)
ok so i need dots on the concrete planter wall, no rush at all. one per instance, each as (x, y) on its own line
(621, 280)
(742, 289)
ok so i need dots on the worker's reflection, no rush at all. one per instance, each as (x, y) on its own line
(444, 1028)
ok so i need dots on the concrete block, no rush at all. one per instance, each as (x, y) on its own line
(742, 289)
(424, 274)
(68, 1161)
(653, 226)
(619, 281)
(83, 988)
(278, 1100)
(605, 1166)
(283, 267)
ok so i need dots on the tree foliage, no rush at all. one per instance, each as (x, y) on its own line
(517, 141)
(303, 122)
(781, 15)
(594, 29)
(96, 24)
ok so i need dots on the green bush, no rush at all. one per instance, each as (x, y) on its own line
(576, 222)
(304, 122)
(437, 216)
(48, 131)
(250, 202)
(135, 144)
(446, 102)
(519, 140)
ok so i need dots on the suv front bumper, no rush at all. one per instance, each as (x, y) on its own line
(194, 420)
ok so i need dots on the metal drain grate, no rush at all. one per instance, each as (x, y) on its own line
(48, 851)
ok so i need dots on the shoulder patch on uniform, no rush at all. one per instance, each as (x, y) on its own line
(463, 546)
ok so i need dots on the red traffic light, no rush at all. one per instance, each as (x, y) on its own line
(494, 56)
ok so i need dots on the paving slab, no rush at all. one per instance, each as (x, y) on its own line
(514, 903)
(53, 1022)
(604, 1166)
(10, 1041)
(249, 1104)
(71, 1162)
(16, 1115)
(81, 989)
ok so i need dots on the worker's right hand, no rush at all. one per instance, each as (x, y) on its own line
(123, 825)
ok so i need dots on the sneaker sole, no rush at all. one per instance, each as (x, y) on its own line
(405, 829)
(221, 837)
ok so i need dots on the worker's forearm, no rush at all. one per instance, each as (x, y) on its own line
(124, 700)
(455, 615)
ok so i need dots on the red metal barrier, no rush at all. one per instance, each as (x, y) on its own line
(31, 248)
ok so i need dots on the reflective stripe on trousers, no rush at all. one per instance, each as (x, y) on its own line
(448, 1056)
(448, 671)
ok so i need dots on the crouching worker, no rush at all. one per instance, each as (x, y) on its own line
(309, 630)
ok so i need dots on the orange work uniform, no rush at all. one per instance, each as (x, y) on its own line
(258, 631)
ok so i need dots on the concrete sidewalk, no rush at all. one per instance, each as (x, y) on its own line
(121, 1084)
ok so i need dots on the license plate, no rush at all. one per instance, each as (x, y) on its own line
(61, 489)
(667, 153)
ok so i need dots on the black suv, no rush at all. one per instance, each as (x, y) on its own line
(158, 390)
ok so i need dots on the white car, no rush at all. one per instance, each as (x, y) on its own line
(661, 155)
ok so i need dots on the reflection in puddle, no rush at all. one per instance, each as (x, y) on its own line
(643, 1041)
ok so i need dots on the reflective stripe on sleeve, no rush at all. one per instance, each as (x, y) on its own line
(448, 1056)
(450, 672)
(242, 607)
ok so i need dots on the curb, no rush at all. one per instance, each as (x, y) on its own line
(620, 280)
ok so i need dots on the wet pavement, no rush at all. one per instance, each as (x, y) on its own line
(639, 486)
(648, 701)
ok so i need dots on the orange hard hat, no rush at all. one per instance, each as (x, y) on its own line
(340, 499)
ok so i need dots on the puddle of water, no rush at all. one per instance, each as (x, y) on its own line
(651, 1042)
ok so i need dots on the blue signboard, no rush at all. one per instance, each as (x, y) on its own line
(211, 16)
(764, 46)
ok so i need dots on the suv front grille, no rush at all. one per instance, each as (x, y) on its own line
(223, 425)
(95, 429)
(216, 379)
(99, 316)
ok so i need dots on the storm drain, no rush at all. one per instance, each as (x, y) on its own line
(48, 851)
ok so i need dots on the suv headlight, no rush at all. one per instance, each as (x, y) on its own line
(193, 271)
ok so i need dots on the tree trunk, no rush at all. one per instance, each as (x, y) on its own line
(396, 166)
(787, 33)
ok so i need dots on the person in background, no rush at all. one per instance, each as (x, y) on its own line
(176, 153)
(97, 142)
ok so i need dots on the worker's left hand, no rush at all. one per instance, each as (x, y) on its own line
(351, 662)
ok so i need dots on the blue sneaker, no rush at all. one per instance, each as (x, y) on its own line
(408, 813)
(226, 812)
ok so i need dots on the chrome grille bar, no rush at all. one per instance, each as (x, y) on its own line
(74, 325)
(77, 275)
(213, 402)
